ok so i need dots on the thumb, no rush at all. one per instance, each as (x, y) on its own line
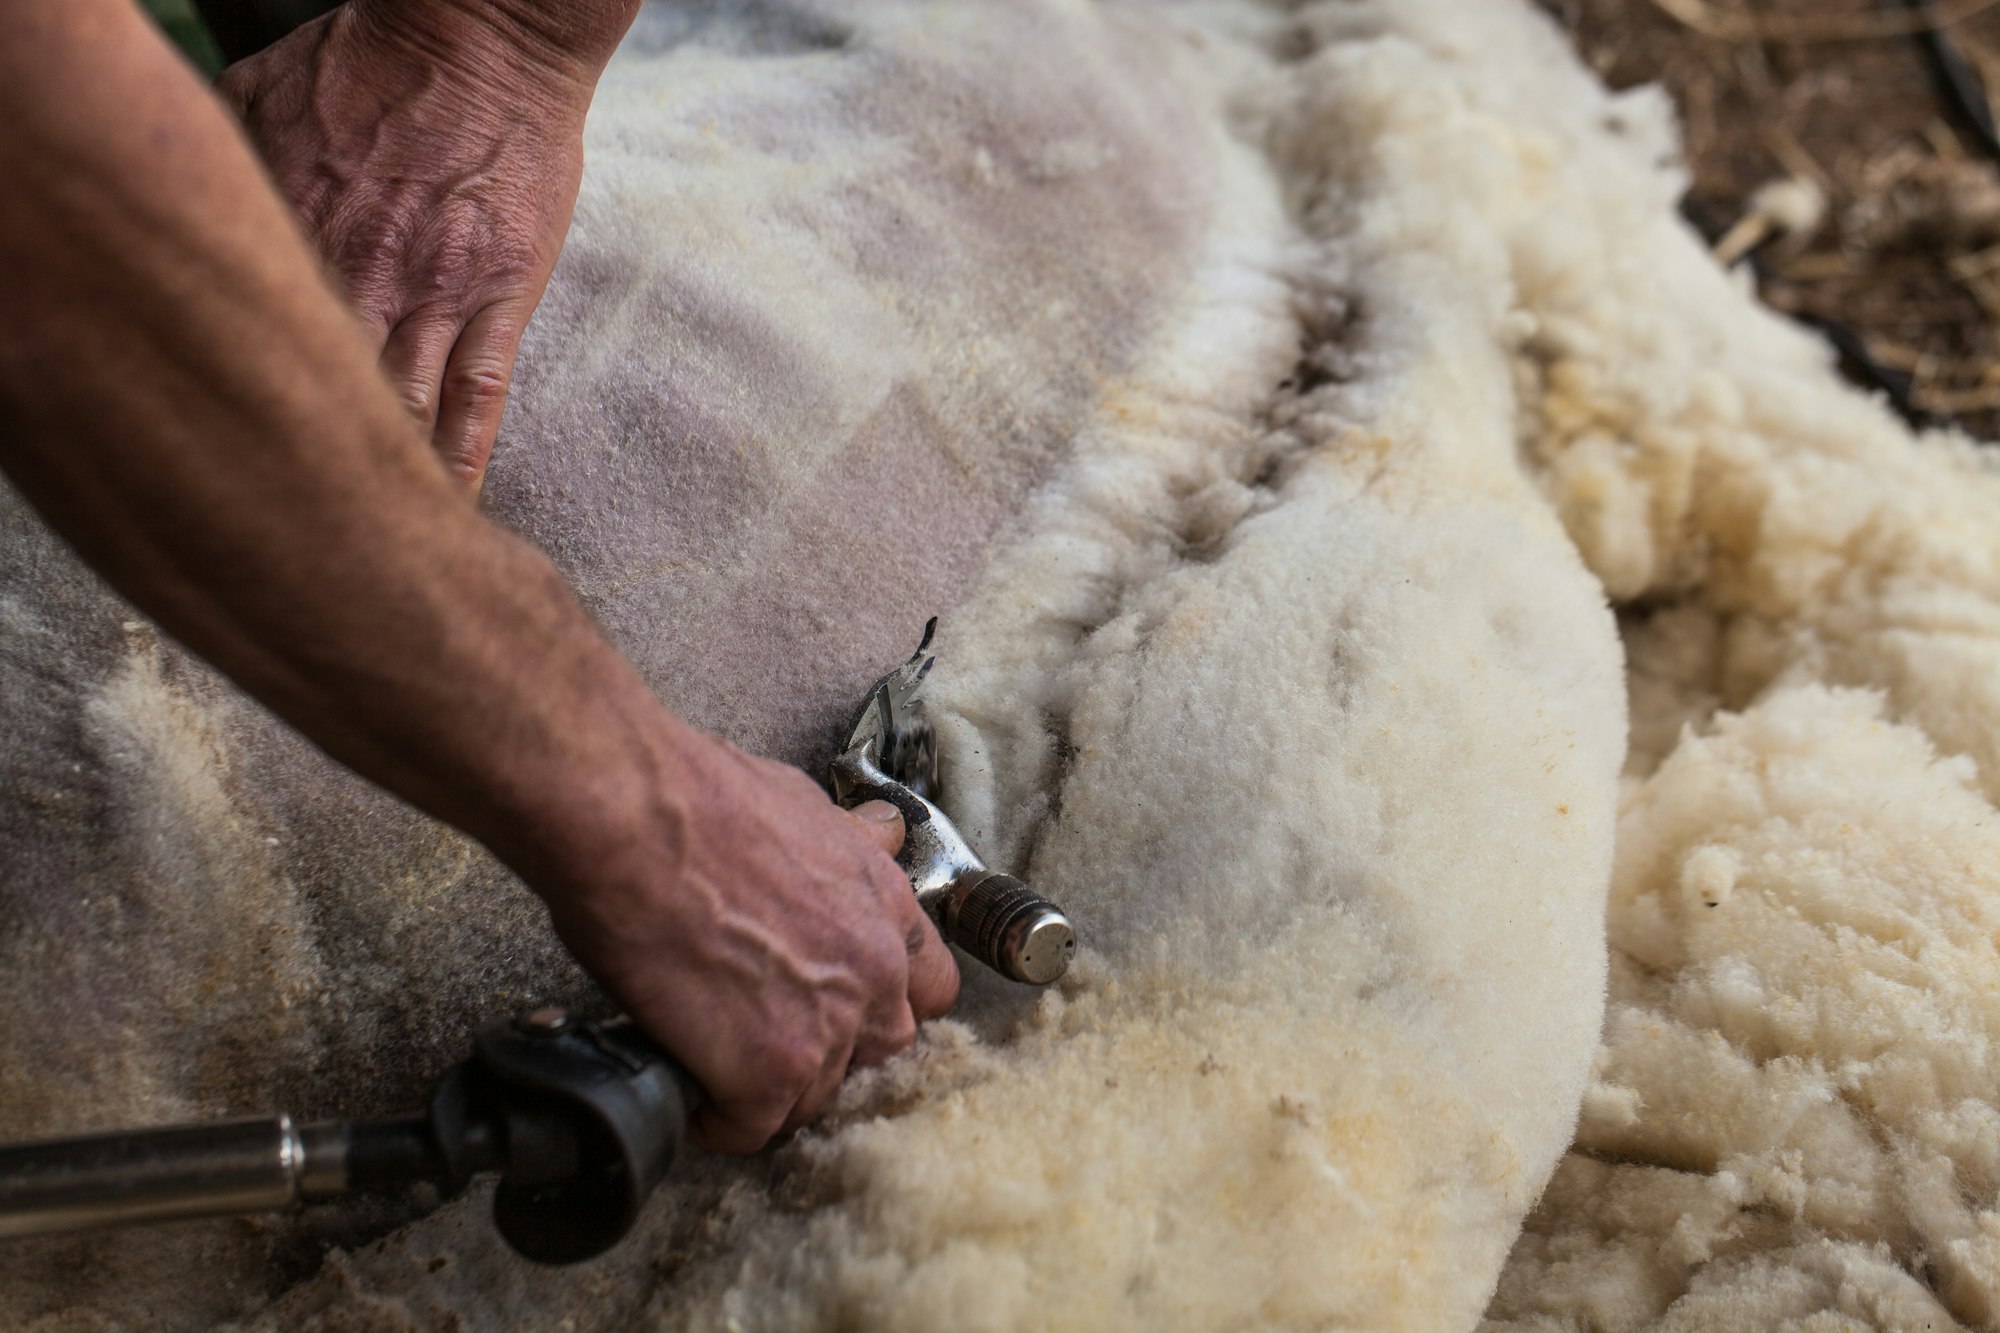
(882, 822)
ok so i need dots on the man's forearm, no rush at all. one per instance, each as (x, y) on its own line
(186, 400)
(190, 405)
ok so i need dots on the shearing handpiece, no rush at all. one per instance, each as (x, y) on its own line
(891, 755)
(580, 1120)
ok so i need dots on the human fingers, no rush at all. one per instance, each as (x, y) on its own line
(891, 1029)
(882, 822)
(724, 1128)
(932, 982)
(744, 1121)
(934, 978)
(474, 388)
(822, 1089)
(414, 359)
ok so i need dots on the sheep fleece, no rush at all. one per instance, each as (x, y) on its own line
(1318, 435)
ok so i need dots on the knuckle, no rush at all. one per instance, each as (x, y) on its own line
(466, 461)
(890, 879)
(940, 992)
(359, 238)
(815, 1098)
(460, 239)
(889, 1038)
(755, 1126)
(884, 962)
(479, 381)
(792, 1066)
(421, 399)
(896, 901)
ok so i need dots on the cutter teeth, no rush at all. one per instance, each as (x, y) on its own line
(885, 710)
(907, 681)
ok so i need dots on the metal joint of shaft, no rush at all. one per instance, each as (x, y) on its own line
(103, 1180)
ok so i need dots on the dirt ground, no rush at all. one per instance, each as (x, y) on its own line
(1847, 99)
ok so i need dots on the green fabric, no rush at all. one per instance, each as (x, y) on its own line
(178, 19)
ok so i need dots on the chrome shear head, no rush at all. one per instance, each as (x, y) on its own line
(891, 754)
(890, 729)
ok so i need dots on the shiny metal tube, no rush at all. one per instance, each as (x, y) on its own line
(891, 755)
(995, 918)
(239, 1166)
(1009, 927)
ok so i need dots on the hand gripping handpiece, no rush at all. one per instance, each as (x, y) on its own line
(580, 1120)
(890, 754)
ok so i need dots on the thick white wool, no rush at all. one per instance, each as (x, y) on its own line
(843, 287)
(1291, 689)
(1798, 1076)
(1297, 697)
(1286, 678)
(1793, 1122)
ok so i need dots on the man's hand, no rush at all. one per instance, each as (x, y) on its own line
(433, 149)
(767, 938)
(187, 402)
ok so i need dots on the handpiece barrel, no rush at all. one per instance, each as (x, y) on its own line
(1010, 928)
(224, 1169)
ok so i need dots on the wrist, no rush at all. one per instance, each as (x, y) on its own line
(583, 807)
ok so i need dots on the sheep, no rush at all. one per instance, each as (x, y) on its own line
(1276, 400)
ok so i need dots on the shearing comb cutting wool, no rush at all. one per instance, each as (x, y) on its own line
(1283, 398)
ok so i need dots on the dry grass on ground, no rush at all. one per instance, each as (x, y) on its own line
(1843, 97)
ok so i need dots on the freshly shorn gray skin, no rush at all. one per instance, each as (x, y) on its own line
(765, 424)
